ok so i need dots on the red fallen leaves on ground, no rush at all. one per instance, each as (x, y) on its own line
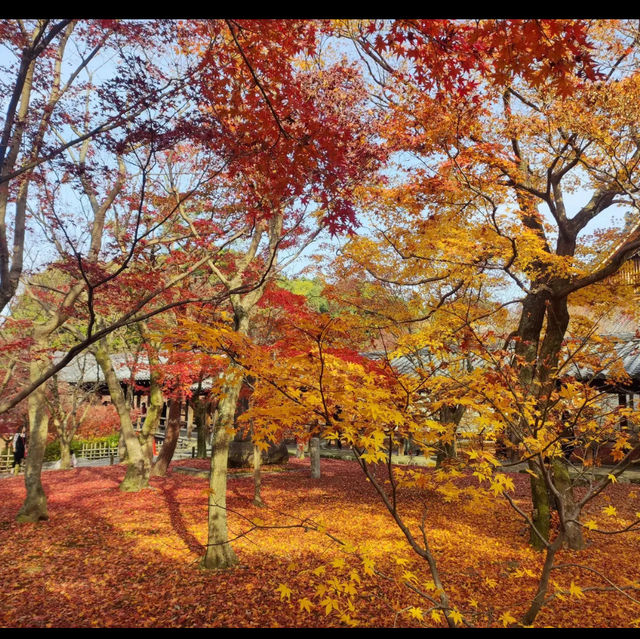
(107, 558)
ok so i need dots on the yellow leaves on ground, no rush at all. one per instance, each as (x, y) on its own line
(436, 615)
(416, 613)
(610, 511)
(456, 616)
(576, 591)
(285, 592)
(305, 604)
(507, 619)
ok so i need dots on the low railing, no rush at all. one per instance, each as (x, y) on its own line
(6, 461)
(98, 450)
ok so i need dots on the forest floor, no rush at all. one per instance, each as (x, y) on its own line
(112, 559)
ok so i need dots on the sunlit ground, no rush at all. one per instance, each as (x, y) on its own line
(107, 558)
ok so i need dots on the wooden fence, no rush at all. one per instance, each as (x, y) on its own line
(98, 450)
(6, 461)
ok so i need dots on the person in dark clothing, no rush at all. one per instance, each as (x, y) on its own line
(19, 448)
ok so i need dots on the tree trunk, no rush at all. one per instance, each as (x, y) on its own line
(543, 584)
(65, 453)
(219, 553)
(568, 511)
(314, 456)
(449, 449)
(257, 476)
(201, 418)
(541, 515)
(138, 466)
(156, 401)
(122, 448)
(34, 507)
(172, 432)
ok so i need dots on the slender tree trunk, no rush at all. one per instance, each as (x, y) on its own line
(65, 453)
(34, 507)
(172, 433)
(257, 476)
(156, 400)
(219, 552)
(138, 465)
(314, 456)
(201, 418)
(543, 583)
(152, 418)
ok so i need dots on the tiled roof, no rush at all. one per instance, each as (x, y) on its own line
(84, 368)
(627, 350)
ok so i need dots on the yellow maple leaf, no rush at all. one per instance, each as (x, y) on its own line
(329, 604)
(368, 566)
(507, 619)
(591, 525)
(416, 613)
(409, 576)
(436, 615)
(610, 510)
(576, 591)
(285, 592)
(320, 570)
(612, 478)
(305, 604)
(456, 616)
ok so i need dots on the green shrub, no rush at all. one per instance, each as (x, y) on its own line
(52, 450)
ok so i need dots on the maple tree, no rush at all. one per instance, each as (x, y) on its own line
(500, 159)
(479, 178)
(308, 123)
(486, 131)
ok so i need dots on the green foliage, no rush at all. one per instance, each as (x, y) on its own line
(52, 450)
(311, 289)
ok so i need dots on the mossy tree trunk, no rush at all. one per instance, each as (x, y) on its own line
(568, 509)
(541, 515)
(219, 551)
(34, 507)
(138, 465)
(450, 415)
(156, 399)
(65, 452)
(201, 418)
